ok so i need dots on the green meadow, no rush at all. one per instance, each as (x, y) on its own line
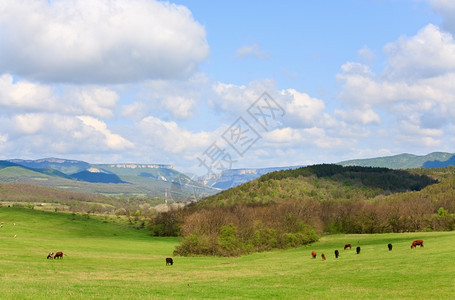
(104, 259)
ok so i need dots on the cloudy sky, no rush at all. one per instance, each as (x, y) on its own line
(208, 85)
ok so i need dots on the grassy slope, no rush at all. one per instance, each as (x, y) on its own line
(401, 161)
(111, 261)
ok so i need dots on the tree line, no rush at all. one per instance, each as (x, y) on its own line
(291, 208)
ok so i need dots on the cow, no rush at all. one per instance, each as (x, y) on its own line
(347, 246)
(50, 255)
(58, 255)
(337, 253)
(169, 261)
(323, 256)
(390, 247)
(417, 243)
(357, 250)
(313, 254)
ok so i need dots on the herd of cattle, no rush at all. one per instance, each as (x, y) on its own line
(170, 261)
(357, 250)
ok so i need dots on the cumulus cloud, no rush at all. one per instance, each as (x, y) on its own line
(92, 100)
(236, 99)
(112, 140)
(429, 53)
(106, 41)
(25, 96)
(303, 110)
(414, 88)
(446, 8)
(178, 98)
(171, 138)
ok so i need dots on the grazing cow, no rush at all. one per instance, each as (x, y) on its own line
(169, 261)
(337, 253)
(347, 246)
(323, 256)
(357, 250)
(313, 254)
(58, 255)
(50, 255)
(417, 243)
(390, 247)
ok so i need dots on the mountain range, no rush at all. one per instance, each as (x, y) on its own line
(164, 181)
(123, 180)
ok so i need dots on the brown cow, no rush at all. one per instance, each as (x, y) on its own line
(58, 255)
(313, 254)
(417, 243)
(169, 261)
(323, 256)
(347, 246)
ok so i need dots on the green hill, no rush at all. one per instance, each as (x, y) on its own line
(405, 161)
(280, 209)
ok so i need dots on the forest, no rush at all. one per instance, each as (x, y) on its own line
(294, 207)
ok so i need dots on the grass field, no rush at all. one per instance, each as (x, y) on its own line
(103, 260)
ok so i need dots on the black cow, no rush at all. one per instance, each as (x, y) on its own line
(337, 253)
(357, 250)
(390, 247)
(169, 261)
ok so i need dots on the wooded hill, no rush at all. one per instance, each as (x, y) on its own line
(290, 208)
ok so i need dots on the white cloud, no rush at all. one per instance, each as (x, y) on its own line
(177, 98)
(364, 116)
(105, 41)
(415, 90)
(112, 140)
(25, 96)
(302, 110)
(29, 123)
(253, 50)
(429, 53)
(231, 98)
(170, 138)
(92, 100)
(446, 8)
(366, 54)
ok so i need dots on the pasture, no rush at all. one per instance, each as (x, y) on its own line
(104, 260)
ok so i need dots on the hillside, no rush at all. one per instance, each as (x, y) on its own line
(405, 161)
(280, 209)
(322, 182)
(120, 180)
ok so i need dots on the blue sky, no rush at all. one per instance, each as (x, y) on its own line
(166, 82)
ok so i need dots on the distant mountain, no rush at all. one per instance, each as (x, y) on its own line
(234, 177)
(120, 179)
(63, 165)
(97, 176)
(405, 161)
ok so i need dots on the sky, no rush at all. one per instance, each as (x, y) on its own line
(211, 85)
